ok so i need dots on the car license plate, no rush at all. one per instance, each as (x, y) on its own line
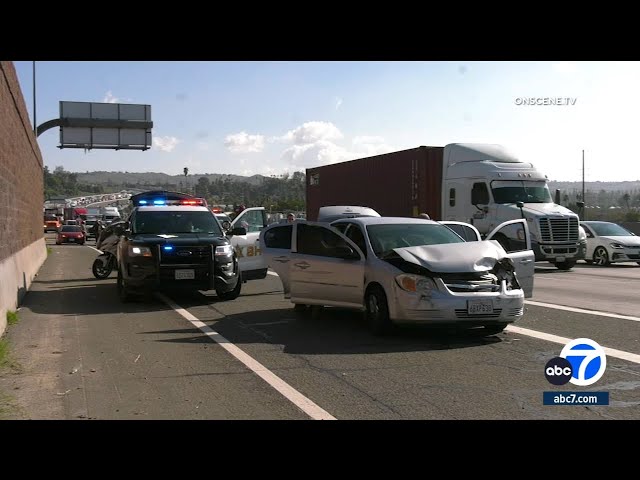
(560, 259)
(479, 307)
(185, 274)
(72, 239)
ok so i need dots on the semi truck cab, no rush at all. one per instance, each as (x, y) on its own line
(486, 185)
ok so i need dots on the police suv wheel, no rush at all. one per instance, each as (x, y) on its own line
(124, 293)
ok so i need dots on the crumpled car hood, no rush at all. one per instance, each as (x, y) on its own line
(455, 257)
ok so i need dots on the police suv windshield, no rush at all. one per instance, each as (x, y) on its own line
(166, 221)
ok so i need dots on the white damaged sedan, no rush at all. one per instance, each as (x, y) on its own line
(403, 270)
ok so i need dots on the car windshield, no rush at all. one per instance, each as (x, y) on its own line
(384, 238)
(70, 228)
(175, 222)
(513, 191)
(609, 229)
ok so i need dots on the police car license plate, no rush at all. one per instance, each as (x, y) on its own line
(185, 274)
(479, 307)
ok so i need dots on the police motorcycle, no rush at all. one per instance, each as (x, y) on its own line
(107, 243)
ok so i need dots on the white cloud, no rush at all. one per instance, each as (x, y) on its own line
(313, 154)
(312, 132)
(166, 144)
(244, 143)
(314, 144)
(338, 102)
(367, 146)
(109, 97)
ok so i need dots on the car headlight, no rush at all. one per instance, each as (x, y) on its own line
(616, 245)
(139, 251)
(224, 250)
(416, 284)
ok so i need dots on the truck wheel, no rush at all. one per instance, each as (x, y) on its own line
(601, 257)
(377, 312)
(566, 265)
(233, 294)
(124, 292)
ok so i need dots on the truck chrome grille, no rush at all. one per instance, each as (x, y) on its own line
(558, 229)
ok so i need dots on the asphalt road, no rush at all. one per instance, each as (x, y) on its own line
(77, 352)
(609, 289)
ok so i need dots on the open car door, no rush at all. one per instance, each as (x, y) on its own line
(275, 243)
(247, 247)
(513, 236)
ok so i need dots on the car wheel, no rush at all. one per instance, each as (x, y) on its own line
(124, 292)
(566, 265)
(233, 294)
(601, 257)
(377, 311)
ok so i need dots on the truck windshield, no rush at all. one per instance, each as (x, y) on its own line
(513, 191)
(176, 222)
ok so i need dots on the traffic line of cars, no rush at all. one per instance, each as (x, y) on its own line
(393, 269)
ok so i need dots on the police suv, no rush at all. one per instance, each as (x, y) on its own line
(173, 240)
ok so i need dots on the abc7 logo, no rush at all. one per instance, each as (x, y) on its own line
(581, 362)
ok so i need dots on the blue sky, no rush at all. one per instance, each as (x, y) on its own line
(274, 117)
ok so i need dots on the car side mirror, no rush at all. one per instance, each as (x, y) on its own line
(346, 252)
(226, 225)
(238, 231)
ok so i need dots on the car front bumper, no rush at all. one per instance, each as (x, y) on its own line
(447, 307)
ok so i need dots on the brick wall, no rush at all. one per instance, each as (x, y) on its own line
(21, 176)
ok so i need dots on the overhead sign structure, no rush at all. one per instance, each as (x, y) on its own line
(116, 126)
(105, 125)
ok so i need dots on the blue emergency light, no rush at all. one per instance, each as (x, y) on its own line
(167, 248)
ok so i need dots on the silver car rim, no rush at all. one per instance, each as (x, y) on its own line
(600, 256)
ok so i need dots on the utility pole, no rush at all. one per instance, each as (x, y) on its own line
(186, 185)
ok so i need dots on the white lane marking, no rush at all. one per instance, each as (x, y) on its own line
(582, 310)
(94, 248)
(272, 273)
(290, 393)
(611, 352)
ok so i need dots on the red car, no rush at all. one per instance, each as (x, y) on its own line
(70, 234)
